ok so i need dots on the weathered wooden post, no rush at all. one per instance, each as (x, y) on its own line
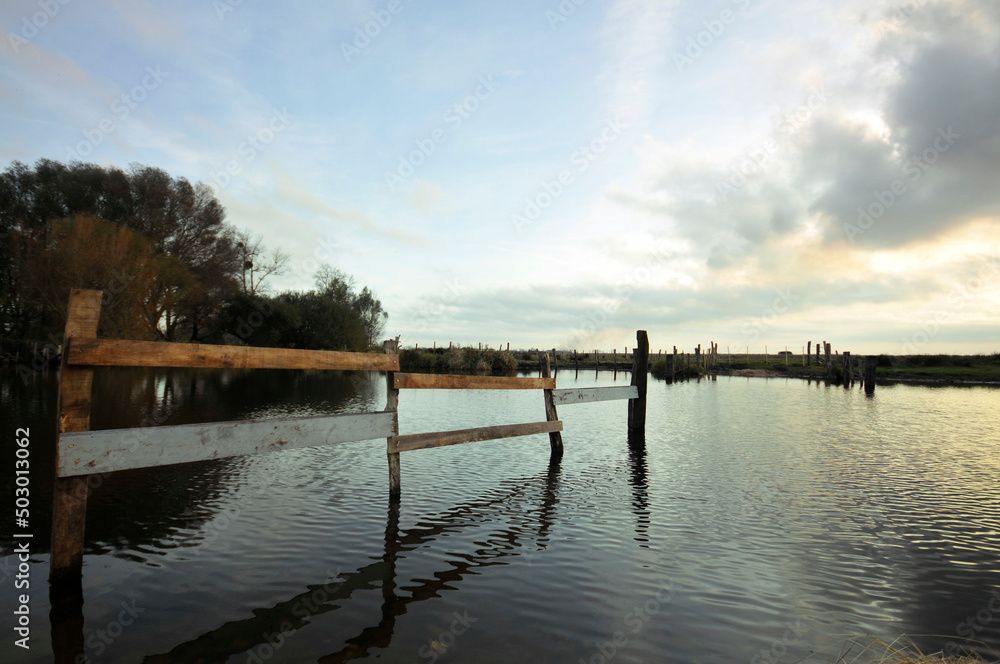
(673, 365)
(826, 348)
(555, 359)
(555, 437)
(848, 369)
(391, 347)
(69, 502)
(809, 354)
(640, 368)
(870, 363)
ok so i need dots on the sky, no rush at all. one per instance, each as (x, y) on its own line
(560, 174)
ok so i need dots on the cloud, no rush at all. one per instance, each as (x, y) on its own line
(290, 192)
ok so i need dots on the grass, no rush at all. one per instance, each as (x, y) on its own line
(902, 650)
(930, 368)
(457, 360)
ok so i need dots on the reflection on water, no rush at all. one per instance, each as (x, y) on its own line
(784, 517)
(268, 625)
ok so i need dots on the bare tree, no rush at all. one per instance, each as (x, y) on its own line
(256, 263)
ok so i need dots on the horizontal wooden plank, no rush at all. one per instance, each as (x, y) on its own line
(416, 381)
(122, 353)
(420, 441)
(88, 452)
(591, 394)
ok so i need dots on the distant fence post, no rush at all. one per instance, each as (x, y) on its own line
(870, 363)
(69, 503)
(391, 347)
(555, 437)
(640, 368)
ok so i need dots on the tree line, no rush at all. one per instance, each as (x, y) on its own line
(170, 265)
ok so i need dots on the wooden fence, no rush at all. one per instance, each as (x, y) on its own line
(81, 453)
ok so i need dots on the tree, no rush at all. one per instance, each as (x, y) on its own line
(256, 264)
(373, 317)
(86, 251)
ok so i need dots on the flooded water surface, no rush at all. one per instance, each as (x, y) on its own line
(761, 521)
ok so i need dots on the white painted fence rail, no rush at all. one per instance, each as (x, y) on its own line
(591, 394)
(105, 451)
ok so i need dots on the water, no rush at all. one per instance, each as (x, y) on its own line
(764, 520)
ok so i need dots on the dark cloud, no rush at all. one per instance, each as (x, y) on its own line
(943, 152)
(934, 169)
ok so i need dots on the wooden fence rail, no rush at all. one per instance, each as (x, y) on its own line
(80, 452)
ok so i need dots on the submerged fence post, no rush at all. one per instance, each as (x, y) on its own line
(640, 367)
(391, 347)
(555, 437)
(870, 363)
(69, 503)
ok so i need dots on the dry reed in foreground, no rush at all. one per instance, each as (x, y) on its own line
(902, 650)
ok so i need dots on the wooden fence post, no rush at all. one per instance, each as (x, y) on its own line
(640, 368)
(826, 351)
(69, 503)
(870, 363)
(391, 347)
(555, 437)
